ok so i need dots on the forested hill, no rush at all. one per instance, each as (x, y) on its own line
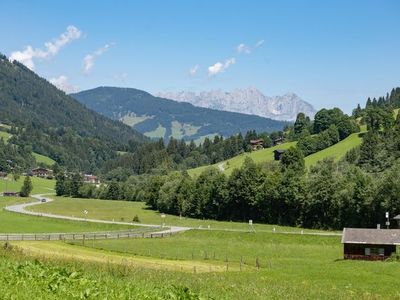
(159, 117)
(29, 99)
(56, 125)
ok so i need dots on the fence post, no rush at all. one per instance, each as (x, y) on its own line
(257, 263)
(83, 240)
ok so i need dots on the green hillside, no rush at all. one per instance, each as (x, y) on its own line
(43, 159)
(336, 151)
(163, 118)
(260, 156)
(55, 125)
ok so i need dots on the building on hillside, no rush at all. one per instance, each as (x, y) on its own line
(369, 244)
(278, 141)
(88, 178)
(278, 154)
(257, 144)
(42, 172)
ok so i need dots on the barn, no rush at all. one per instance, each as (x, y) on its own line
(369, 244)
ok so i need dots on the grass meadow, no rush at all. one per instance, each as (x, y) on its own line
(291, 267)
(40, 185)
(127, 210)
(19, 223)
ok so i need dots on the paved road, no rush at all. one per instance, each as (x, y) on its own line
(21, 208)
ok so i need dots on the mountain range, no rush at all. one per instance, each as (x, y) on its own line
(158, 117)
(248, 101)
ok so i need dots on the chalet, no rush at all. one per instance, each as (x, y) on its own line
(257, 144)
(278, 154)
(278, 141)
(88, 178)
(369, 244)
(42, 172)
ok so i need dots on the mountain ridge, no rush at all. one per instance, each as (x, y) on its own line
(248, 101)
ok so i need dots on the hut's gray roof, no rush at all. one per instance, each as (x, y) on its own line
(396, 217)
(371, 236)
(280, 150)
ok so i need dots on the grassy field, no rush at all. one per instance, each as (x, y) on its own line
(18, 223)
(5, 135)
(40, 185)
(259, 156)
(159, 132)
(43, 159)
(126, 210)
(337, 151)
(132, 119)
(291, 266)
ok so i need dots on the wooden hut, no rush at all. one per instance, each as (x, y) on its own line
(278, 154)
(369, 244)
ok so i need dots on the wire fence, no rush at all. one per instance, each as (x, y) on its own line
(104, 235)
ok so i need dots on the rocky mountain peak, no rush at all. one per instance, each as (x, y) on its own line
(249, 101)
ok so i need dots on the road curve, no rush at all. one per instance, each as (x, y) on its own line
(21, 208)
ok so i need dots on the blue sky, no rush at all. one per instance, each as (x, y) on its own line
(331, 53)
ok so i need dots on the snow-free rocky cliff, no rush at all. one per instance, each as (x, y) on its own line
(248, 101)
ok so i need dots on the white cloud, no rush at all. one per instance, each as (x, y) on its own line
(121, 77)
(193, 70)
(52, 48)
(259, 43)
(242, 48)
(220, 67)
(61, 83)
(89, 60)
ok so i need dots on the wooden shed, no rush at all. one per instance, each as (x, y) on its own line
(369, 244)
(278, 154)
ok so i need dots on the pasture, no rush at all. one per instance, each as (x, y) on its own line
(18, 223)
(127, 210)
(290, 266)
(40, 185)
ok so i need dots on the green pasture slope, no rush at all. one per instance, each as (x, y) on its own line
(337, 151)
(259, 156)
(43, 159)
(5, 135)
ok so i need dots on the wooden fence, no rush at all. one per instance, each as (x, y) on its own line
(82, 236)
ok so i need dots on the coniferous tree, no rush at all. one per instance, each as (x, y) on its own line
(27, 187)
